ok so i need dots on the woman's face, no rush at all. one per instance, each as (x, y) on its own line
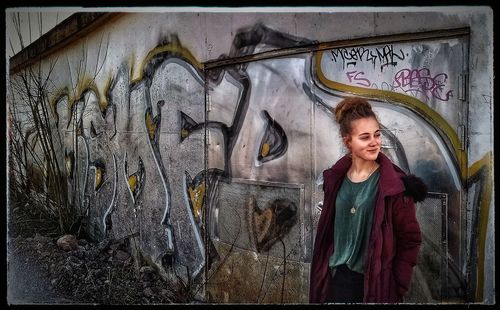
(364, 140)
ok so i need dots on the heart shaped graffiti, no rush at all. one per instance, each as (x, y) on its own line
(268, 225)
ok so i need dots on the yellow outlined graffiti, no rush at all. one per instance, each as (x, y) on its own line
(482, 170)
(176, 49)
(407, 101)
(84, 85)
(59, 94)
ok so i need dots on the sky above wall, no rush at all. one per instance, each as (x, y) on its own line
(25, 25)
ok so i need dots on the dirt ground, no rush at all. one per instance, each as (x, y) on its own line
(39, 272)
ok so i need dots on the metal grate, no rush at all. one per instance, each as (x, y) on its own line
(432, 215)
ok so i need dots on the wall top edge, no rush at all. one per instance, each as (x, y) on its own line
(266, 9)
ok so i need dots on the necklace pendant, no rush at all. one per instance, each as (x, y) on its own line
(353, 210)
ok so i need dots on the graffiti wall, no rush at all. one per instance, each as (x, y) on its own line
(205, 146)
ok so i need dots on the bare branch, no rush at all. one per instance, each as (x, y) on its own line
(29, 25)
(16, 21)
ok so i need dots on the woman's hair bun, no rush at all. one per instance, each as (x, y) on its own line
(350, 109)
(355, 105)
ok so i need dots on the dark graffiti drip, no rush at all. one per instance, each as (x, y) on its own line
(100, 174)
(196, 193)
(188, 126)
(93, 132)
(69, 162)
(136, 180)
(274, 143)
(111, 105)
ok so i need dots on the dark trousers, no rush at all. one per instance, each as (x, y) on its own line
(347, 286)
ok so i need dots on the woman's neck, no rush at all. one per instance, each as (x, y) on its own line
(361, 169)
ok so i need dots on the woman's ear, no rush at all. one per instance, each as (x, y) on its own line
(347, 142)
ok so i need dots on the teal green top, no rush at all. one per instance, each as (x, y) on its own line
(353, 221)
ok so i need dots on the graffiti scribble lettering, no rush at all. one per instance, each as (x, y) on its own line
(421, 80)
(382, 56)
(354, 76)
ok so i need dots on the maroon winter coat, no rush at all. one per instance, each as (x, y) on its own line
(394, 241)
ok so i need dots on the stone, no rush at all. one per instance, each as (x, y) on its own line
(67, 242)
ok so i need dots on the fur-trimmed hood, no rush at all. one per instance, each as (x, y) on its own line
(414, 187)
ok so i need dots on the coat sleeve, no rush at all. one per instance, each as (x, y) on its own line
(319, 284)
(408, 240)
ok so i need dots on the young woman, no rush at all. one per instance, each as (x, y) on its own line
(368, 238)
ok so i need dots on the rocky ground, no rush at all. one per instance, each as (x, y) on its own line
(40, 271)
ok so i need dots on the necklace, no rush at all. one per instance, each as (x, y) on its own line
(354, 194)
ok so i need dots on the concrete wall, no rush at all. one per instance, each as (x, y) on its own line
(215, 170)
